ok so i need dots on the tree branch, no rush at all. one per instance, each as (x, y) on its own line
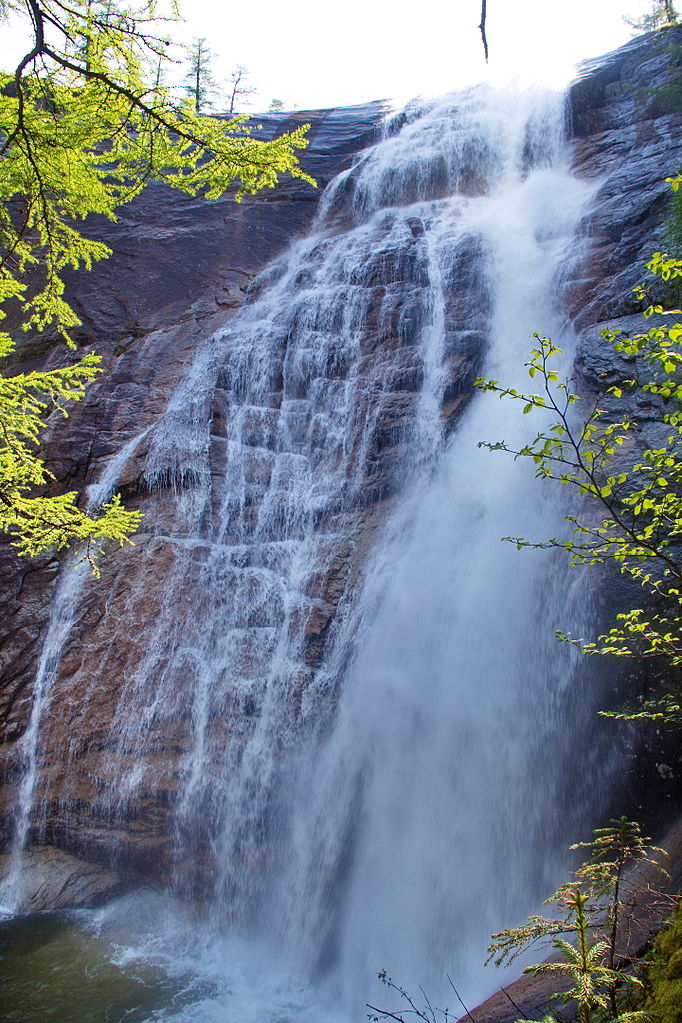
(482, 28)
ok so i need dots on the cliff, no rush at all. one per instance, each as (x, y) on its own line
(180, 271)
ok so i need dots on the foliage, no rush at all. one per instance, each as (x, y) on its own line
(48, 522)
(663, 975)
(613, 880)
(238, 88)
(583, 965)
(641, 531)
(674, 223)
(590, 935)
(661, 15)
(199, 80)
(85, 123)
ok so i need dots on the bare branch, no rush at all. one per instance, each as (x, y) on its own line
(447, 974)
(482, 28)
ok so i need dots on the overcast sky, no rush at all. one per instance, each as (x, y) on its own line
(322, 54)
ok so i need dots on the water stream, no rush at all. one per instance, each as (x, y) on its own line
(64, 604)
(376, 708)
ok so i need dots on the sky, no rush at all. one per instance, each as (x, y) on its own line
(320, 55)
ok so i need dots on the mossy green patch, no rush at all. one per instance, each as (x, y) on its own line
(664, 975)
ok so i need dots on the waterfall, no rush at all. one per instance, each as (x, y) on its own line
(429, 812)
(64, 604)
(361, 679)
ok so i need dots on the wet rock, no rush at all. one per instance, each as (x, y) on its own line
(52, 879)
(146, 316)
(630, 144)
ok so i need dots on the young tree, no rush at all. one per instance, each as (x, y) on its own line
(593, 935)
(200, 82)
(84, 124)
(239, 88)
(596, 909)
(661, 15)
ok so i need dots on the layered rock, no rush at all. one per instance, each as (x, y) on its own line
(224, 512)
(625, 114)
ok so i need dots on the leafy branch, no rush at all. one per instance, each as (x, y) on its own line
(641, 531)
(84, 125)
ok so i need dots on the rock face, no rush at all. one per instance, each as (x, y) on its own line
(626, 118)
(51, 878)
(111, 766)
(625, 115)
(179, 269)
(264, 458)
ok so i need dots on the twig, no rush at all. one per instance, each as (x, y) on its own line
(428, 1004)
(509, 997)
(482, 28)
(447, 974)
(385, 1012)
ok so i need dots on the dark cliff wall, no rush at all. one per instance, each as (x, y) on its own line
(626, 117)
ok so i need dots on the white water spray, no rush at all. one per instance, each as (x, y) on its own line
(429, 817)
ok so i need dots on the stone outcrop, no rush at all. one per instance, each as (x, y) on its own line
(99, 737)
(180, 270)
(625, 117)
(625, 114)
(54, 879)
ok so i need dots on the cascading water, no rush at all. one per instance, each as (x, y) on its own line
(427, 814)
(362, 678)
(61, 622)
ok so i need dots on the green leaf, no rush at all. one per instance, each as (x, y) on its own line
(83, 128)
